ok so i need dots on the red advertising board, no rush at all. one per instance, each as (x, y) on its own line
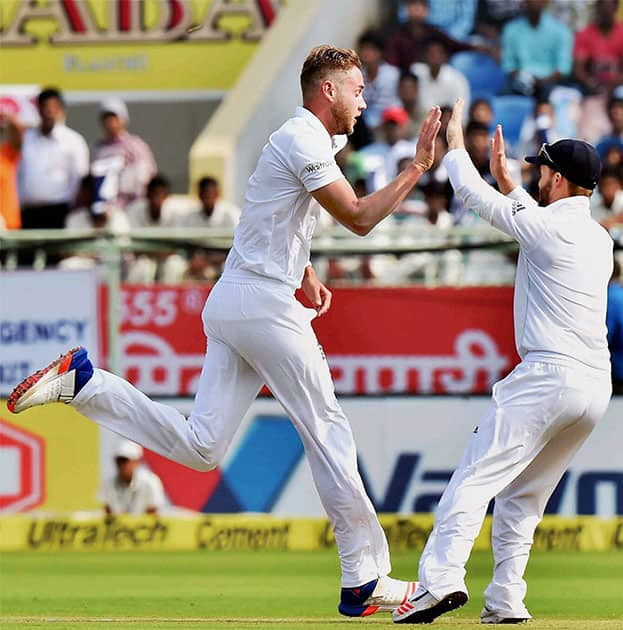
(377, 340)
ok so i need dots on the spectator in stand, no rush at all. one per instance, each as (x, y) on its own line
(598, 51)
(11, 135)
(481, 111)
(614, 323)
(607, 205)
(613, 157)
(408, 93)
(212, 212)
(538, 129)
(380, 78)
(576, 14)
(454, 17)
(156, 210)
(615, 137)
(406, 44)
(536, 50)
(134, 489)
(122, 162)
(54, 160)
(92, 214)
(491, 17)
(380, 159)
(440, 83)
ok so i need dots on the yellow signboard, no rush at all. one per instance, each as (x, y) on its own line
(212, 532)
(127, 44)
(50, 460)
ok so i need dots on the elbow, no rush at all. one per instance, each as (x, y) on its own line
(360, 224)
(361, 229)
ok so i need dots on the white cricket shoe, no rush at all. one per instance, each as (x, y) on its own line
(58, 382)
(384, 594)
(422, 607)
(490, 616)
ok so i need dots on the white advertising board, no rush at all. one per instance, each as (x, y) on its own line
(408, 448)
(42, 315)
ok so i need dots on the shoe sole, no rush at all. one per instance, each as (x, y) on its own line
(507, 621)
(63, 362)
(448, 603)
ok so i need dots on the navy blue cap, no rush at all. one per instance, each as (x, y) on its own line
(576, 160)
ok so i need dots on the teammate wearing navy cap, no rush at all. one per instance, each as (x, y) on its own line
(544, 410)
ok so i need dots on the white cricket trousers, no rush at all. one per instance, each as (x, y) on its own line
(540, 415)
(258, 334)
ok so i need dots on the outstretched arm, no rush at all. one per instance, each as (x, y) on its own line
(504, 213)
(361, 215)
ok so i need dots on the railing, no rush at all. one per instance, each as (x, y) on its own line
(109, 248)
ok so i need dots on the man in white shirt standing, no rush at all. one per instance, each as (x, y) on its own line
(54, 160)
(439, 83)
(544, 410)
(134, 489)
(258, 333)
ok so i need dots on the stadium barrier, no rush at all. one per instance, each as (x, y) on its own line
(73, 532)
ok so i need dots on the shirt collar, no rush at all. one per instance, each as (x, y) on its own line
(56, 130)
(578, 203)
(337, 142)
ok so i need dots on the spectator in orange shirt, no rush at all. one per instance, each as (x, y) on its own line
(10, 148)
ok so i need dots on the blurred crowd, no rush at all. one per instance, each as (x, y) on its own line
(50, 179)
(544, 69)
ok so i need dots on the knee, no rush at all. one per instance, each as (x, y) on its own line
(209, 455)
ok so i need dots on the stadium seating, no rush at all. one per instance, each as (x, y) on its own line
(484, 75)
(510, 110)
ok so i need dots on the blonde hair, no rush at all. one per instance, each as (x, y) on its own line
(323, 60)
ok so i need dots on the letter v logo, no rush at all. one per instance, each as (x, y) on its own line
(401, 477)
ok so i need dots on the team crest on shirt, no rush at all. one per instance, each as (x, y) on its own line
(314, 167)
(517, 207)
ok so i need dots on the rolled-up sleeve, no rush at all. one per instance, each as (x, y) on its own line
(517, 214)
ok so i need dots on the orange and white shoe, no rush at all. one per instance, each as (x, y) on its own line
(384, 594)
(422, 607)
(59, 382)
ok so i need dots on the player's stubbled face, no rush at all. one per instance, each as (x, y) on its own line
(349, 102)
(545, 185)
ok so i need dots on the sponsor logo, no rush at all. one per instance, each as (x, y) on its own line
(110, 533)
(125, 21)
(517, 207)
(557, 537)
(401, 533)
(317, 166)
(213, 537)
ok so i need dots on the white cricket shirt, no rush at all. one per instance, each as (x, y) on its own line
(565, 263)
(144, 492)
(273, 238)
(52, 166)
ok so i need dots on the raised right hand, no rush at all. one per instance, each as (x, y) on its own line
(425, 150)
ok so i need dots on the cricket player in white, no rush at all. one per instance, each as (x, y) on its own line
(259, 333)
(544, 410)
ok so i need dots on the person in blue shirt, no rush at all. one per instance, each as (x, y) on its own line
(614, 323)
(615, 137)
(536, 50)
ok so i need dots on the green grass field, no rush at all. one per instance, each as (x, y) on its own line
(268, 589)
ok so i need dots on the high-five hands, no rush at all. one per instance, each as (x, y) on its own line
(425, 149)
(454, 132)
(497, 163)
